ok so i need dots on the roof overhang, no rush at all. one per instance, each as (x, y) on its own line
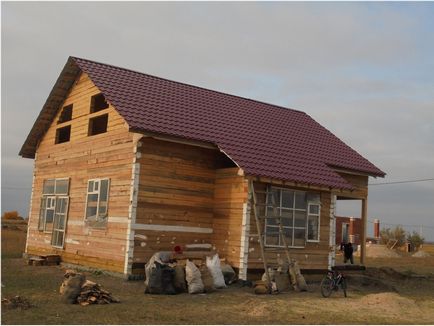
(54, 101)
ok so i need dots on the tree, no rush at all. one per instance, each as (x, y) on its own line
(11, 215)
(415, 239)
(396, 234)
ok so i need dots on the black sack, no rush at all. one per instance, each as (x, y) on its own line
(167, 280)
(155, 280)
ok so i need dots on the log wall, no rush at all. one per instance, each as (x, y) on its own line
(175, 196)
(107, 155)
(230, 203)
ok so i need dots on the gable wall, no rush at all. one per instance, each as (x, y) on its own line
(82, 158)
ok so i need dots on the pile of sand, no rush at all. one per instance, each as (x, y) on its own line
(378, 251)
(421, 254)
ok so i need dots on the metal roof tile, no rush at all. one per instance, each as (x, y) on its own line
(264, 139)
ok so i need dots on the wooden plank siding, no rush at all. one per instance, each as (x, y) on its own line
(175, 196)
(313, 256)
(360, 183)
(107, 155)
(230, 200)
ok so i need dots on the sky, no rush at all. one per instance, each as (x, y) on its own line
(364, 70)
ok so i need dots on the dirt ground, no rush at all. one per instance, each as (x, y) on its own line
(389, 292)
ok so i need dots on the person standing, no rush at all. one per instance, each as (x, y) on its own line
(348, 253)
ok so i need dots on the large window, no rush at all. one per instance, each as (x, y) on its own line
(97, 202)
(54, 209)
(299, 213)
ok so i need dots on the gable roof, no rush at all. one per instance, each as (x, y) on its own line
(263, 139)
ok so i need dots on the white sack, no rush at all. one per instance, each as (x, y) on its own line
(193, 278)
(213, 265)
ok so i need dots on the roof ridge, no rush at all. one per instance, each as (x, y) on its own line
(190, 85)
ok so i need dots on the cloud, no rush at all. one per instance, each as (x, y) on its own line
(363, 70)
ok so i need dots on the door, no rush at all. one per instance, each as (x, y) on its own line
(59, 222)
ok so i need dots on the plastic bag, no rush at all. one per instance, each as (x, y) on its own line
(213, 265)
(193, 277)
(179, 281)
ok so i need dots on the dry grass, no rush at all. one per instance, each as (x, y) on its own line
(235, 305)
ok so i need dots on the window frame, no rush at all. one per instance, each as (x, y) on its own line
(97, 219)
(51, 198)
(65, 214)
(279, 207)
(309, 204)
(293, 210)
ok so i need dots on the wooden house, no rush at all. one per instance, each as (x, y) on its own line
(127, 164)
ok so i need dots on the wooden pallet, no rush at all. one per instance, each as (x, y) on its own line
(47, 260)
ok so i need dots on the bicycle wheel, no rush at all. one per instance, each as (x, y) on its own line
(344, 286)
(327, 286)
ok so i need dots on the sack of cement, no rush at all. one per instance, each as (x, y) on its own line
(282, 281)
(167, 280)
(271, 273)
(297, 280)
(71, 286)
(154, 281)
(213, 264)
(193, 277)
(228, 273)
(207, 279)
(161, 257)
(179, 280)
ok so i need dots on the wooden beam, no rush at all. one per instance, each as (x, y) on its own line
(364, 216)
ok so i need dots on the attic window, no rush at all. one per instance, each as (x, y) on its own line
(66, 114)
(98, 125)
(63, 135)
(98, 103)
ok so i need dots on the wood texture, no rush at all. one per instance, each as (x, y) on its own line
(230, 196)
(176, 188)
(107, 155)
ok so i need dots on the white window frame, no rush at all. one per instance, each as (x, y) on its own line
(52, 197)
(96, 192)
(52, 200)
(309, 204)
(56, 214)
(279, 208)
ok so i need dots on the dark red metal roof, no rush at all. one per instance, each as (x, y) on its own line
(263, 139)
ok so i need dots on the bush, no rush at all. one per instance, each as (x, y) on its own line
(415, 239)
(11, 215)
(396, 234)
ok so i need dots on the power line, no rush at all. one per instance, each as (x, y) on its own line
(396, 182)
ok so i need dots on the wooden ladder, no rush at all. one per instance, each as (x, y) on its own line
(261, 227)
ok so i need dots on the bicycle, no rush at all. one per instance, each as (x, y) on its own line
(331, 282)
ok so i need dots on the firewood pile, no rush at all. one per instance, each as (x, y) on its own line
(92, 293)
(16, 302)
(76, 289)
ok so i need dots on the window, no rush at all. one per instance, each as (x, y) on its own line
(299, 213)
(313, 222)
(54, 209)
(98, 125)
(63, 135)
(98, 103)
(97, 202)
(66, 114)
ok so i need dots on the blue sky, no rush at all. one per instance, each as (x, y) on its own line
(362, 70)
